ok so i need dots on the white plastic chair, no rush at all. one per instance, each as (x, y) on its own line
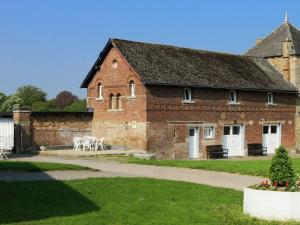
(77, 143)
(2, 152)
(87, 144)
(99, 143)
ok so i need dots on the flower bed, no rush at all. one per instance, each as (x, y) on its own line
(279, 197)
(272, 205)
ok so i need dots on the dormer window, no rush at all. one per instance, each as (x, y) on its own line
(187, 95)
(132, 89)
(232, 97)
(270, 98)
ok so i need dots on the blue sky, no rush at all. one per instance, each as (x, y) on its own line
(53, 43)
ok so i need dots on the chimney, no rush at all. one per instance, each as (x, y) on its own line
(286, 47)
(286, 50)
(258, 40)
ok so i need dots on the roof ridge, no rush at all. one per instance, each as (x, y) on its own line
(179, 47)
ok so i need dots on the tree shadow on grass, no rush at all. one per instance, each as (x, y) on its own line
(22, 201)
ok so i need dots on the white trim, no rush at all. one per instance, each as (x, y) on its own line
(233, 98)
(187, 98)
(212, 132)
(270, 98)
(132, 89)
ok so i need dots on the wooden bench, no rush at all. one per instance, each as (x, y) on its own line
(256, 149)
(216, 152)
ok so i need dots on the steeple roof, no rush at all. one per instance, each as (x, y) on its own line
(271, 46)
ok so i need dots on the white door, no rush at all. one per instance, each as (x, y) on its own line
(194, 143)
(7, 133)
(233, 139)
(271, 137)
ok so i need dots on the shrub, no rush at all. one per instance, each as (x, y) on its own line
(281, 170)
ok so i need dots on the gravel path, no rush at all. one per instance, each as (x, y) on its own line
(115, 169)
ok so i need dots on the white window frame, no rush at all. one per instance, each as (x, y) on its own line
(270, 98)
(232, 93)
(212, 133)
(234, 100)
(100, 92)
(188, 98)
(132, 89)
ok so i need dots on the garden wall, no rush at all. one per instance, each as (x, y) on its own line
(34, 129)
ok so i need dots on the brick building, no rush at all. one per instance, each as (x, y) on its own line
(175, 101)
(282, 49)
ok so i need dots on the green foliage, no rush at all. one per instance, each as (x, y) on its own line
(30, 94)
(2, 98)
(77, 106)
(250, 167)
(281, 170)
(10, 102)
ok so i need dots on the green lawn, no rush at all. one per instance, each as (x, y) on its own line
(117, 201)
(36, 166)
(250, 167)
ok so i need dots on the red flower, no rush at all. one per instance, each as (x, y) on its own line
(286, 183)
(275, 184)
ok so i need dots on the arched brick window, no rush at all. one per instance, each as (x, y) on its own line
(132, 88)
(118, 101)
(111, 101)
(100, 91)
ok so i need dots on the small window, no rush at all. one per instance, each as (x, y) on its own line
(114, 63)
(187, 92)
(273, 129)
(99, 91)
(209, 132)
(270, 98)
(132, 88)
(192, 132)
(226, 130)
(265, 129)
(119, 101)
(111, 101)
(232, 97)
(236, 130)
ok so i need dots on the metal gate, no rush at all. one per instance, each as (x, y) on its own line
(7, 133)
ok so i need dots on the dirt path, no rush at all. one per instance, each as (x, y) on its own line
(114, 169)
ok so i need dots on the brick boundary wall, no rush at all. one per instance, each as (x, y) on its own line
(34, 129)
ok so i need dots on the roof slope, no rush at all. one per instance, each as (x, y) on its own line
(169, 65)
(272, 45)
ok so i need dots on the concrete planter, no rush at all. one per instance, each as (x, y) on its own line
(272, 205)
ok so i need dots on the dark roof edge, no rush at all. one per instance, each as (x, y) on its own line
(223, 88)
(6, 114)
(90, 74)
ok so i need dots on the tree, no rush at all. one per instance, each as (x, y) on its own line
(77, 106)
(47, 106)
(30, 94)
(10, 102)
(65, 98)
(2, 99)
(281, 170)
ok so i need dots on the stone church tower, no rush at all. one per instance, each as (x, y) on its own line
(282, 49)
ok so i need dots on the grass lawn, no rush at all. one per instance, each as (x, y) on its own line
(36, 166)
(117, 201)
(250, 167)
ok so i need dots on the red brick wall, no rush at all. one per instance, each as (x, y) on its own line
(168, 117)
(125, 127)
(51, 129)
